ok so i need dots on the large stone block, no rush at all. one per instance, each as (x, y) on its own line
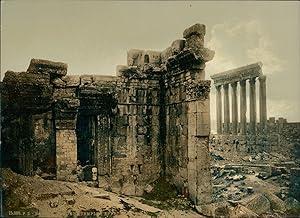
(260, 204)
(195, 42)
(192, 107)
(177, 46)
(166, 54)
(192, 124)
(66, 159)
(64, 93)
(206, 54)
(154, 57)
(71, 81)
(192, 149)
(196, 29)
(45, 66)
(203, 106)
(204, 185)
(203, 124)
(192, 181)
(134, 57)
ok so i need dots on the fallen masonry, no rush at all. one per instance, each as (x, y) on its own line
(152, 120)
(263, 183)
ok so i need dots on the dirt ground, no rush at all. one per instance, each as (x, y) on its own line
(244, 185)
(33, 196)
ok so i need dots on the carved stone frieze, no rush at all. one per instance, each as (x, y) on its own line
(197, 90)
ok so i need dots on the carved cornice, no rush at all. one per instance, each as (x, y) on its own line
(238, 74)
(146, 71)
(99, 89)
(98, 98)
(67, 104)
(197, 90)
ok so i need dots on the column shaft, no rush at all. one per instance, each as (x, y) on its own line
(219, 109)
(243, 107)
(226, 109)
(262, 103)
(252, 106)
(234, 106)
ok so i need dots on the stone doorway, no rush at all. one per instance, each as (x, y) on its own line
(94, 125)
(86, 139)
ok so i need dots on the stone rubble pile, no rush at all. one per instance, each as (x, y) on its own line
(257, 185)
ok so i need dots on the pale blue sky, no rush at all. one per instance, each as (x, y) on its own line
(93, 37)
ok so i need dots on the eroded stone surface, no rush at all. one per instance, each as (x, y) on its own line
(149, 121)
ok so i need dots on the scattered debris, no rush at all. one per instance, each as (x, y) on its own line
(148, 188)
(241, 212)
(102, 196)
(70, 201)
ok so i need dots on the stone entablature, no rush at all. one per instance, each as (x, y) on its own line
(151, 120)
(238, 74)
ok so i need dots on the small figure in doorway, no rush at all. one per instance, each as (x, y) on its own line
(185, 189)
(79, 171)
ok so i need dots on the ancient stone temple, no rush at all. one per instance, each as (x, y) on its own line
(232, 78)
(151, 120)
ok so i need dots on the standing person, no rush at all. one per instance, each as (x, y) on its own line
(185, 189)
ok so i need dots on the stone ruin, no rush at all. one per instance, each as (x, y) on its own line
(267, 149)
(232, 78)
(253, 136)
(152, 120)
(245, 136)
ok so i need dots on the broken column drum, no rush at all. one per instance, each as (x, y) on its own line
(234, 77)
(151, 120)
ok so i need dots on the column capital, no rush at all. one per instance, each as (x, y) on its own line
(252, 80)
(225, 86)
(233, 85)
(262, 78)
(218, 87)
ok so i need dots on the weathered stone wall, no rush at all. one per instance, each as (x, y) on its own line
(280, 136)
(188, 119)
(286, 136)
(65, 111)
(187, 132)
(135, 144)
(44, 142)
(151, 120)
(26, 125)
(66, 154)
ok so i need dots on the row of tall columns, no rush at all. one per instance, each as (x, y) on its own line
(243, 107)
